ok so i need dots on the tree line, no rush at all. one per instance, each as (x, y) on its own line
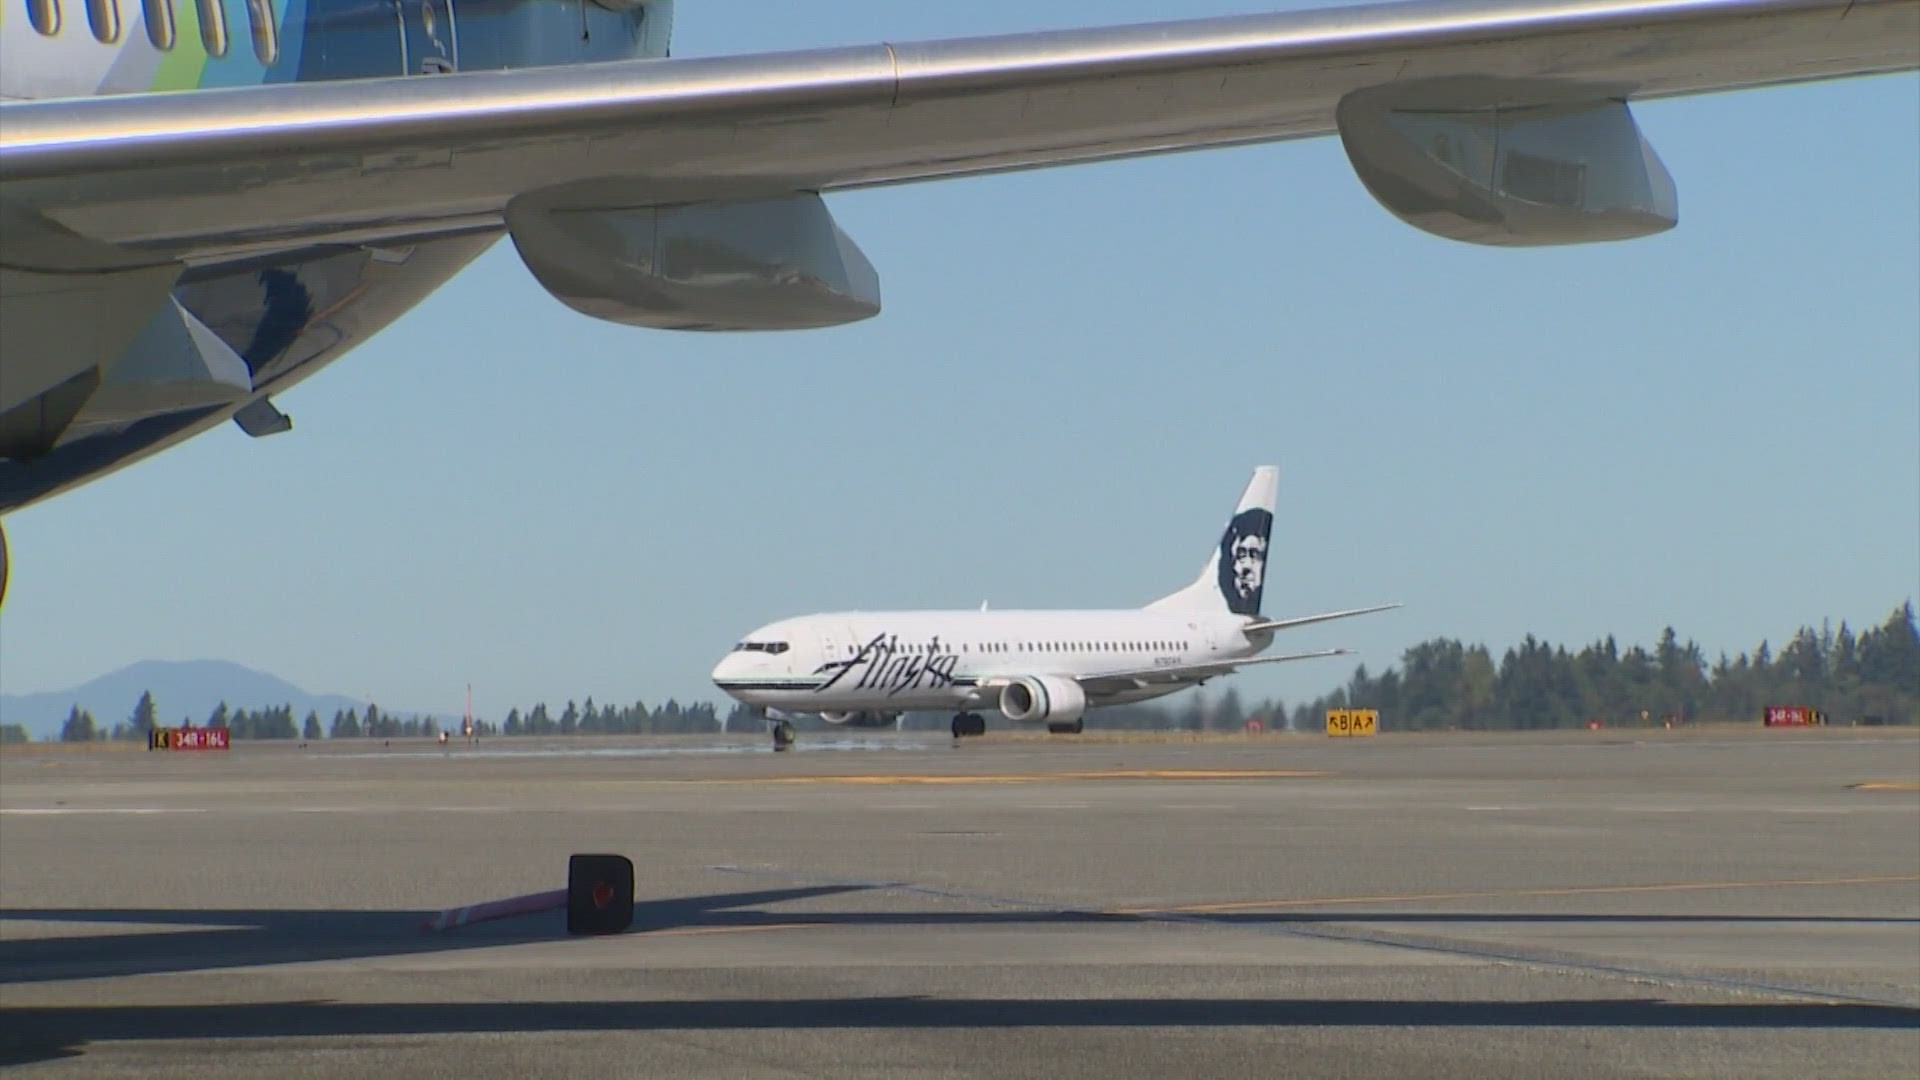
(1871, 677)
(277, 722)
(272, 722)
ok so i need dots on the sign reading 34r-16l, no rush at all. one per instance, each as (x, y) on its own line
(1353, 723)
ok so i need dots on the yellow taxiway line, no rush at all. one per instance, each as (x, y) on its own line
(1496, 894)
(888, 779)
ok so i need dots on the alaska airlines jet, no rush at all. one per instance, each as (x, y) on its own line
(203, 202)
(1032, 667)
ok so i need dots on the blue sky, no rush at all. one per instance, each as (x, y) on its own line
(1717, 428)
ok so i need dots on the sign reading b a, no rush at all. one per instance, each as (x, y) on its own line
(1353, 723)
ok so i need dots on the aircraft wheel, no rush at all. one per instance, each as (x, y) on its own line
(1074, 728)
(783, 735)
(961, 727)
(976, 724)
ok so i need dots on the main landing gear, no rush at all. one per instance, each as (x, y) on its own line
(969, 724)
(1074, 728)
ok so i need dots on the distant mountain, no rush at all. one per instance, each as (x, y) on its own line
(181, 689)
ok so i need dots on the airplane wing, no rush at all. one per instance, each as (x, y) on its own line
(686, 193)
(1105, 685)
(128, 182)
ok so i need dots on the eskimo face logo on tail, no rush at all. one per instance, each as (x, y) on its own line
(882, 664)
(1243, 560)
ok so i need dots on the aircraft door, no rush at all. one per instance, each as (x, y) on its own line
(429, 36)
(830, 648)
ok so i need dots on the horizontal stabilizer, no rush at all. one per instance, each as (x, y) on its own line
(1306, 620)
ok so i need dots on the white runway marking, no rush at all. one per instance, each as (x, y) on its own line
(55, 811)
(52, 811)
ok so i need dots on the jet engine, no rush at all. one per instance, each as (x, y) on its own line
(1508, 162)
(864, 719)
(763, 264)
(1048, 699)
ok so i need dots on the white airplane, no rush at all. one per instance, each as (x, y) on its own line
(203, 202)
(1033, 667)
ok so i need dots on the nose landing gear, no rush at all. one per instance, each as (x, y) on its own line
(783, 735)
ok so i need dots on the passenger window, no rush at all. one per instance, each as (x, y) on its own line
(213, 26)
(104, 17)
(266, 33)
(45, 16)
(160, 29)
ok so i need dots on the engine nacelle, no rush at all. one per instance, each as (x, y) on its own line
(1049, 699)
(1508, 163)
(861, 719)
(765, 264)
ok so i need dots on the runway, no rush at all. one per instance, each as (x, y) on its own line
(1737, 903)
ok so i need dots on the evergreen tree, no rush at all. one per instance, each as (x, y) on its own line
(78, 727)
(1230, 714)
(310, 731)
(1194, 717)
(145, 715)
(218, 719)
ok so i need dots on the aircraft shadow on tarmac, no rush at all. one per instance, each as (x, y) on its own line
(208, 940)
(41, 1034)
(171, 940)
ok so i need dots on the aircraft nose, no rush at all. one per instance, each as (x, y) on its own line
(726, 667)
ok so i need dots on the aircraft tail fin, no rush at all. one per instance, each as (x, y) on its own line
(1236, 572)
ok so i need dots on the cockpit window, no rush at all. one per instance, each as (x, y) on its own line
(775, 647)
